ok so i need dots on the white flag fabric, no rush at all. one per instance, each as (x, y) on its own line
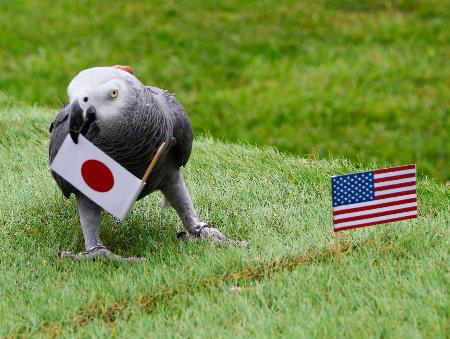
(96, 175)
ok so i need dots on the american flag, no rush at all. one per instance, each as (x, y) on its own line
(374, 197)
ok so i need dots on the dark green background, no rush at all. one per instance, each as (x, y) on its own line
(367, 80)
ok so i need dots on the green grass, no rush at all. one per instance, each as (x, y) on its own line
(391, 281)
(366, 80)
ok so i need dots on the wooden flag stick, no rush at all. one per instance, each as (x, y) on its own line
(336, 243)
(154, 161)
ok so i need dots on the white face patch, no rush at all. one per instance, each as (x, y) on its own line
(108, 97)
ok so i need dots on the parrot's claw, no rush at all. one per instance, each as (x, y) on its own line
(98, 252)
(218, 238)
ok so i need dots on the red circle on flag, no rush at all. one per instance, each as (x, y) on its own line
(97, 175)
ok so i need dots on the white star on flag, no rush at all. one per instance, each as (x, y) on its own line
(97, 176)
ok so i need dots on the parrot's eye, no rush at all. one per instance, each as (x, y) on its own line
(114, 93)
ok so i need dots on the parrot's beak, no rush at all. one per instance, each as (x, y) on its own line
(79, 122)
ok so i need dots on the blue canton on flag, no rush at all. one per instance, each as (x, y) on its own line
(353, 188)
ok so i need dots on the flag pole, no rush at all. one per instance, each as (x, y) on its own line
(336, 243)
(154, 161)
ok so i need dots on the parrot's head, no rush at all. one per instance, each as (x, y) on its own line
(100, 94)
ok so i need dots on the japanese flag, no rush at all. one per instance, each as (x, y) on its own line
(97, 176)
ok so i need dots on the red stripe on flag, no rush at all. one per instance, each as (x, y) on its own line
(374, 215)
(396, 177)
(394, 169)
(375, 223)
(397, 194)
(389, 187)
(370, 207)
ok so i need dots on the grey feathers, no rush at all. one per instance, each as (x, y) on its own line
(150, 117)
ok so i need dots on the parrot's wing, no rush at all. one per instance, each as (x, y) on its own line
(182, 129)
(59, 130)
(60, 118)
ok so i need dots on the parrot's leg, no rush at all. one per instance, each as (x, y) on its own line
(90, 214)
(179, 198)
(165, 204)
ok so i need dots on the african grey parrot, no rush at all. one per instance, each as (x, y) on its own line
(128, 121)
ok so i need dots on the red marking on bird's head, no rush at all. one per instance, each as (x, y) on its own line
(128, 69)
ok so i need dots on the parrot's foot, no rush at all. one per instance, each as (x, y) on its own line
(218, 238)
(98, 252)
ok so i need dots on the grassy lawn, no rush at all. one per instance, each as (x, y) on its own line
(367, 80)
(391, 281)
